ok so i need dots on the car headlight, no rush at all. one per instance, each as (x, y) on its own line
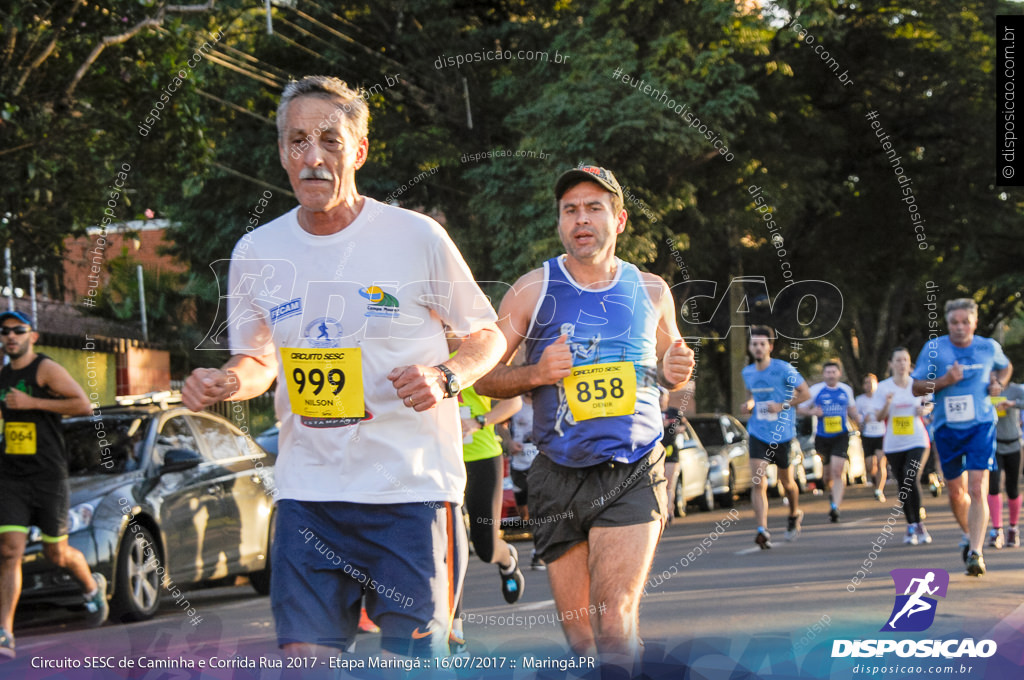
(80, 516)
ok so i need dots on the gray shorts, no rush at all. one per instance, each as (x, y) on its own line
(566, 502)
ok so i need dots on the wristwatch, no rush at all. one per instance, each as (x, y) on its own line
(482, 420)
(451, 383)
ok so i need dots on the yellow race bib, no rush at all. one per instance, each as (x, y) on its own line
(601, 390)
(324, 383)
(997, 401)
(20, 438)
(833, 424)
(903, 425)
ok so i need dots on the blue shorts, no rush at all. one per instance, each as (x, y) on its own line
(972, 448)
(407, 559)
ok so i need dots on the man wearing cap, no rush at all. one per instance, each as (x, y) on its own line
(600, 337)
(35, 391)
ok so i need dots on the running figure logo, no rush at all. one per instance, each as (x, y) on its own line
(913, 610)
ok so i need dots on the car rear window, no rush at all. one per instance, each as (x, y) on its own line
(709, 432)
(111, 444)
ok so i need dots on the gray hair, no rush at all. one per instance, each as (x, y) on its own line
(350, 102)
(961, 303)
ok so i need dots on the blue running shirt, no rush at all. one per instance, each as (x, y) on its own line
(775, 383)
(966, 403)
(834, 402)
(617, 323)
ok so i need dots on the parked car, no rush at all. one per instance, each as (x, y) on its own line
(268, 438)
(856, 472)
(691, 477)
(160, 497)
(728, 447)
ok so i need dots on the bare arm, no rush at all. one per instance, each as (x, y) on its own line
(505, 409)
(514, 316)
(421, 387)
(242, 377)
(675, 359)
(748, 404)
(801, 394)
(999, 379)
(851, 413)
(951, 377)
(70, 399)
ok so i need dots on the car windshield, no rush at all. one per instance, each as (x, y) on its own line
(709, 432)
(109, 445)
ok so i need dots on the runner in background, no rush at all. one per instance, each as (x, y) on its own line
(773, 386)
(962, 370)
(1008, 460)
(670, 420)
(523, 451)
(485, 468)
(833, 403)
(871, 433)
(906, 439)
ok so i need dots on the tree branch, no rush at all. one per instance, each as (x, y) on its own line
(44, 55)
(153, 22)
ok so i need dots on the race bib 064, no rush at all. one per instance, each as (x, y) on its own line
(20, 438)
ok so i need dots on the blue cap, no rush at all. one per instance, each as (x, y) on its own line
(15, 315)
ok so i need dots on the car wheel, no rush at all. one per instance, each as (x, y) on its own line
(728, 499)
(137, 592)
(260, 580)
(680, 509)
(706, 501)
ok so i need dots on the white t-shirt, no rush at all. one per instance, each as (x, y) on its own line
(871, 426)
(522, 432)
(904, 429)
(387, 284)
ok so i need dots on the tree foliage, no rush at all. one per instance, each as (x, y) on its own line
(587, 81)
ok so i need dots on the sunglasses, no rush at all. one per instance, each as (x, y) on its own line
(17, 330)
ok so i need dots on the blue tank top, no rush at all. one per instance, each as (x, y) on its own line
(611, 324)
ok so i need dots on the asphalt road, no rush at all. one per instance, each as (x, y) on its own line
(716, 607)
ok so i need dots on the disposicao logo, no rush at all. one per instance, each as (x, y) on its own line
(914, 611)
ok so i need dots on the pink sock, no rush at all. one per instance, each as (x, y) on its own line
(995, 508)
(1015, 510)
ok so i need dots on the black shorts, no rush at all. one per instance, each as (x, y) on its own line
(776, 452)
(566, 502)
(832, 446)
(522, 485)
(31, 501)
(872, 445)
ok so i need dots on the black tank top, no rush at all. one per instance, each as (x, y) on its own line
(33, 444)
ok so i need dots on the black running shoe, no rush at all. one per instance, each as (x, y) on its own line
(793, 525)
(512, 579)
(833, 515)
(763, 539)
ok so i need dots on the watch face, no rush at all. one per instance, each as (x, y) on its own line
(454, 386)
